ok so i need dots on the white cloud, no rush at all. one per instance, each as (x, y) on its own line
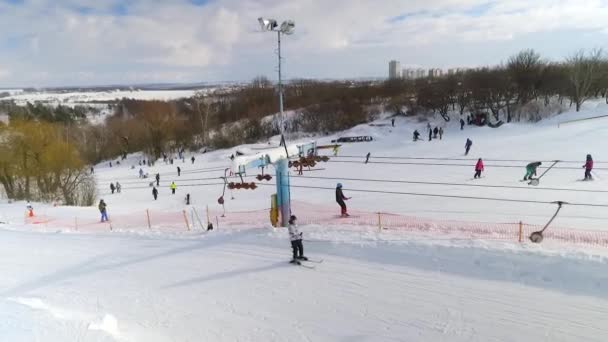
(72, 41)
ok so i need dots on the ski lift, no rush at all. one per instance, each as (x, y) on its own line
(537, 237)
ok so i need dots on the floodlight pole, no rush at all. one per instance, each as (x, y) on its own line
(280, 88)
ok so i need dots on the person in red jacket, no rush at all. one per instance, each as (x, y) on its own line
(478, 168)
(588, 167)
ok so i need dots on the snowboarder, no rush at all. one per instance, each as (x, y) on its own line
(173, 187)
(118, 187)
(416, 135)
(158, 179)
(30, 209)
(141, 173)
(461, 124)
(435, 132)
(112, 187)
(531, 170)
(440, 133)
(103, 210)
(369, 154)
(588, 167)
(393, 122)
(467, 146)
(154, 193)
(192, 159)
(340, 198)
(187, 199)
(296, 241)
(478, 169)
(179, 171)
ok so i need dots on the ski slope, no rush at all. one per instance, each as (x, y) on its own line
(237, 286)
(234, 284)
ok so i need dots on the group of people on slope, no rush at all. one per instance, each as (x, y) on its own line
(532, 167)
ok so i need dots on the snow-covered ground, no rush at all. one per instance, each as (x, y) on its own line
(237, 286)
(71, 98)
(234, 284)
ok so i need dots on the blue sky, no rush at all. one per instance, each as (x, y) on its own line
(94, 42)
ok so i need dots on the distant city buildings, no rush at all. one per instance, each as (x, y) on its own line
(394, 72)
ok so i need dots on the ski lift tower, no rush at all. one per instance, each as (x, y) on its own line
(279, 158)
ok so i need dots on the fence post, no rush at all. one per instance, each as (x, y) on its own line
(379, 222)
(521, 231)
(148, 215)
(198, 218)
(186, 219)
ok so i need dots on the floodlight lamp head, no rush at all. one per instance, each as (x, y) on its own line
(267, 24)
(288, 26)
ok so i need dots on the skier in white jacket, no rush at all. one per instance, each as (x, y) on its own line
(296, 241)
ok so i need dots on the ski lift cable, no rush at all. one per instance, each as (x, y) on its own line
(460, 159)
(448, 196)
(447, 164)
(451, 184)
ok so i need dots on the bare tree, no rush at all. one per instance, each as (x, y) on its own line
(583, 73)
(525, 69)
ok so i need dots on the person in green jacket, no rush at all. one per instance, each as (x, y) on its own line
(173, 187)
(531, 170)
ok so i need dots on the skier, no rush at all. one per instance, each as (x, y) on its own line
(435, 132)
(430, 134)
(141, 173)
(171, 161)
(461, 124)
(92, 170)
(173, 187)
(440, 133)
(154, 193)
(112, 187)
(340, 198)
(467, 146)
(588, 168)
(393, 122)
(192, 159)
(369, 154)
(103, 210)
(187, 199)
(118, 187)
(110, 164)
(179, 171)
(30, 209)
(158, 179)
(531, 170)
(416, 135)
(335, 150)
(296, 241)
(300, 169)
(478, 169)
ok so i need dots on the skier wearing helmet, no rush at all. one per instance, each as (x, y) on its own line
(340, 198)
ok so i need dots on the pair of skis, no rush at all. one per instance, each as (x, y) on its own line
(303, 263)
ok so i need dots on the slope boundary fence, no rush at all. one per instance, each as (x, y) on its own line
(196, 218)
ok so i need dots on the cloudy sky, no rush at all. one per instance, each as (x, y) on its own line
(95, 42)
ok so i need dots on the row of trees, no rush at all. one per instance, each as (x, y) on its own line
(507, 89)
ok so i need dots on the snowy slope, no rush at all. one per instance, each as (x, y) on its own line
(167, 284)
(237, 286)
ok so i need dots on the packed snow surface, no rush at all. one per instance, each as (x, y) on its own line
(235, 284)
